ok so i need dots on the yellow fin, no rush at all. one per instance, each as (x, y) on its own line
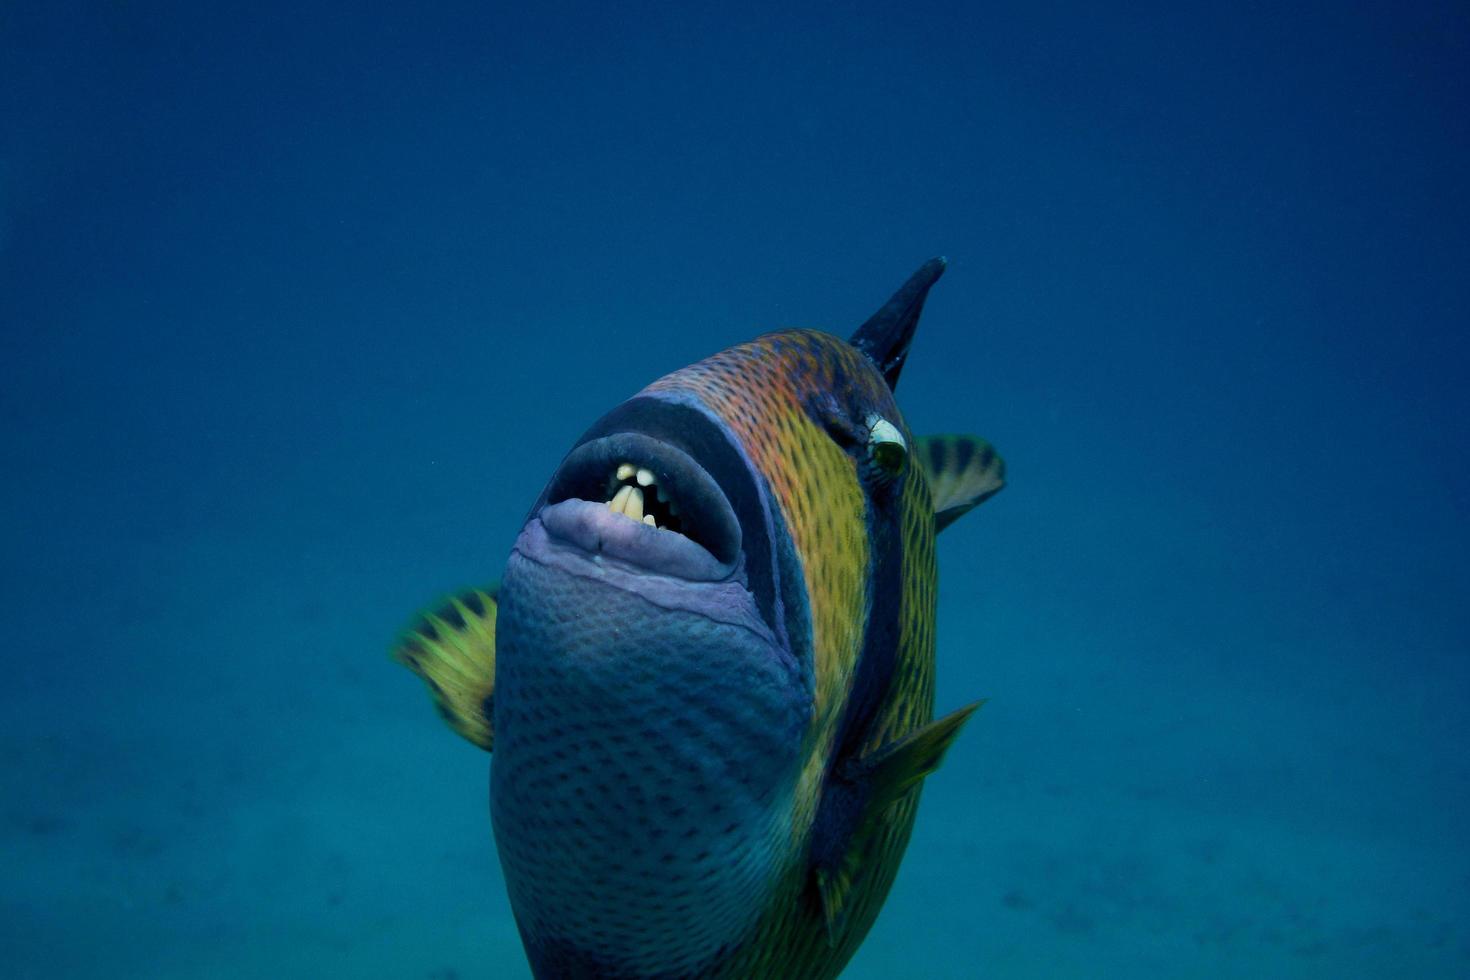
(894, 769)
(883, 777)
(963, 472)
(453, 651)
(832, 888)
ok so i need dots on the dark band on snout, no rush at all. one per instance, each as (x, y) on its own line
(693, 432)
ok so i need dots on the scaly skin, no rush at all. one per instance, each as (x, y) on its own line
(764, 391)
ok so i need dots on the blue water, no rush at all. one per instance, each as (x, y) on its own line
(299, 308)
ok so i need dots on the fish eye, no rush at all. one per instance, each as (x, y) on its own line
(887, 450)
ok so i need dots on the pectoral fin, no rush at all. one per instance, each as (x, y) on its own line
(963, 472)
(453, 651)
(865, 789)
(894, 769)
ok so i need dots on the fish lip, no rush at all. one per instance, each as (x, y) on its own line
(575, 510)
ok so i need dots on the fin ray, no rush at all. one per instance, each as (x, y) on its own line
(963, 472)
(452, 650)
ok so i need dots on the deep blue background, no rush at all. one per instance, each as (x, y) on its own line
(298, 308)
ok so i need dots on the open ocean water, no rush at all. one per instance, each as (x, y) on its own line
(300, 306)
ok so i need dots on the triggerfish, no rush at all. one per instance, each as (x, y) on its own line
(707, 672)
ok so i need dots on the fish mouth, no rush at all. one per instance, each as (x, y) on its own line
(646, 502)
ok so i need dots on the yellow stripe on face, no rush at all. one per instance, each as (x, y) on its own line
(762, 391)
(826, 513)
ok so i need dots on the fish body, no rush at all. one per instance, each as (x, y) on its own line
(708, 672)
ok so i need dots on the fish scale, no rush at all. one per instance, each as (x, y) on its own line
(793, 934)
(658, 852)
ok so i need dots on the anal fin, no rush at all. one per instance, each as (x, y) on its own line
(452, 650)
(833, 885)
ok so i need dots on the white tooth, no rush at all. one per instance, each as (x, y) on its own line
(648, 519)
(663, 498)
(634, 506)
(619, 503)
(645, 477)
(625, 470)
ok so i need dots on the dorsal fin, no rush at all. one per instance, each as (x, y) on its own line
(453, 651)
(886, 335)
(864, 789)
(963, 472)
